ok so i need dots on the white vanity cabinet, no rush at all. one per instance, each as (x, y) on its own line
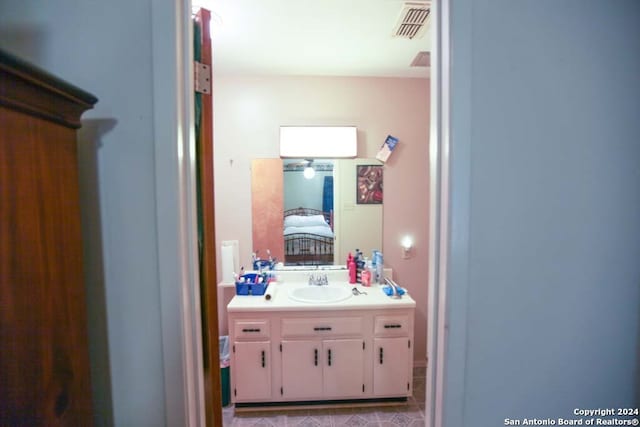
(301, 356)
(251, 350)
(393, 355)
(293, 354)
(322, 358)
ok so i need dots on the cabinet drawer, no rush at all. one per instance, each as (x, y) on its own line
(251, 329)
(392, 326)
(333, 326)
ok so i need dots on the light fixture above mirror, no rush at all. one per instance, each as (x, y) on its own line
(318, 141)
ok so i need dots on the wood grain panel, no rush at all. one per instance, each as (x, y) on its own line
(44, 370)
(267, 207)
(44, 361)
(208, 288)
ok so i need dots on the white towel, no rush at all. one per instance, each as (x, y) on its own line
(227, 264)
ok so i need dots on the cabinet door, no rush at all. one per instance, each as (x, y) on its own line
(302, 369)
(391, 367)
(343, 368)
(252, 370)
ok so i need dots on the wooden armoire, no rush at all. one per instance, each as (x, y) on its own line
(44, 356)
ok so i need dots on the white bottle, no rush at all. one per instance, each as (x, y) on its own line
(379, 267)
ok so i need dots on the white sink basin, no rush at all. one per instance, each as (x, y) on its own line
(320, 294)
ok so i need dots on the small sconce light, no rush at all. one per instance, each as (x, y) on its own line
(407, 244)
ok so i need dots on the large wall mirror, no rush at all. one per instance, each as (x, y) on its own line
(306, 212)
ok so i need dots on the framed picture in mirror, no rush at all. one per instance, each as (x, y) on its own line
(369, 184)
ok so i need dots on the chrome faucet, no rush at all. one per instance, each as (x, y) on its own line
(394, 288)
(318, 279)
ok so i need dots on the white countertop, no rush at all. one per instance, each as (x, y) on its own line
(375, 298)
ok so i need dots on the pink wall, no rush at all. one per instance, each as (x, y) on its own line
(248, 112)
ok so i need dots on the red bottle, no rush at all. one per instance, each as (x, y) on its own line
(351, 266)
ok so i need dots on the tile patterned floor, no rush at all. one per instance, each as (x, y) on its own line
(409, 414)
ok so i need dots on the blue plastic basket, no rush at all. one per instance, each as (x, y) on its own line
(257, 288)
(242, 288)
(263, 264)
(252, 284)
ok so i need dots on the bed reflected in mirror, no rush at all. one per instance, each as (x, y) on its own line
(308, 199)
(308, 237)
(312, 220)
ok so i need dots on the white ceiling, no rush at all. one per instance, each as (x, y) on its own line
(312, 37)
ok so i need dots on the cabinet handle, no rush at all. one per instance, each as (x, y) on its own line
(250, 329)
(392, 326)
(381, 355)
(322, 328)
(315, 357)
(263, 359)
(329, 357)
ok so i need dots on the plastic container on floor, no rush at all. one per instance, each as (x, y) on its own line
(225, 361)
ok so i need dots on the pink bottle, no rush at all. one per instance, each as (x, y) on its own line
(365, 277)
(351, 266)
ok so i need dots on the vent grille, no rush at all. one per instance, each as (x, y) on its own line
(413, 20)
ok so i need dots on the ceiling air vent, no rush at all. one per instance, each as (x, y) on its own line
(422, 59)
(413, 20)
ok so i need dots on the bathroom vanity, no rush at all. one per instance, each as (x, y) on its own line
(320, 343)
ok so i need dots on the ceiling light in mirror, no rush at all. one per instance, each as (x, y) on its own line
(318, 141)
(309, 172)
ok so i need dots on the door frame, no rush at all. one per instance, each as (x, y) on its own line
(176, 200)
(439, 213)
(176, 213)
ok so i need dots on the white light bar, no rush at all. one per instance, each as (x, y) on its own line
(318, 141)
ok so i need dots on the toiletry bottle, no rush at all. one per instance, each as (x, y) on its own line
(365, 277)
(351, 266)
(368, 274)
(359, 265)
(372, 271)
(379, 268)
(371, 266)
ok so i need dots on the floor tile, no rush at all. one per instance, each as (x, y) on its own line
(414, 423)
(401, 415)
(355, 417)
(270, 420)
(409, 414)
(307, 418)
